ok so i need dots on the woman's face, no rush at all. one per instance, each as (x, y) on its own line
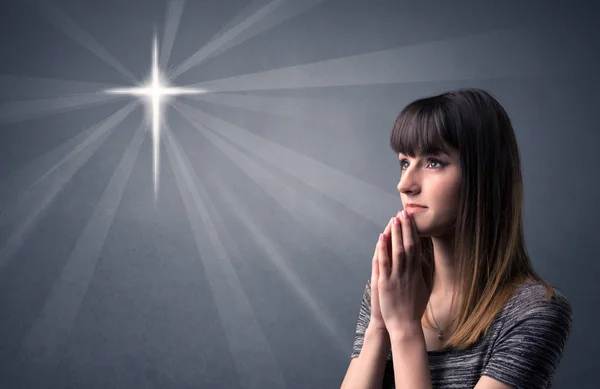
(432, 181)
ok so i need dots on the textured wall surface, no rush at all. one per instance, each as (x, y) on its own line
(228, 245)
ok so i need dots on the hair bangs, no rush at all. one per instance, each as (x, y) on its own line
(420, 129)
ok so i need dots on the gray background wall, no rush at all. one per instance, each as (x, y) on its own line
(248, 268)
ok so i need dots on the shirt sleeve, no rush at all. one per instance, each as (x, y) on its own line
(531, 342)
(364, 316)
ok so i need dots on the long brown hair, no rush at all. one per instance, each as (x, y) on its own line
(490, 255)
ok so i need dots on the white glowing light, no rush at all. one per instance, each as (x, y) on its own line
(157, 90)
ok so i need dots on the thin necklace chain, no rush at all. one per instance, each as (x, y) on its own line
(440, 331)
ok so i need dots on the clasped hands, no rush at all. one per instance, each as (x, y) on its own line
(401, 282)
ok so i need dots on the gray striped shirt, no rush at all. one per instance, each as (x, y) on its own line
(522, 348)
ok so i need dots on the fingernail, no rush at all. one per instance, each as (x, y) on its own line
(403, 214)
(381, 237)
(395, 220)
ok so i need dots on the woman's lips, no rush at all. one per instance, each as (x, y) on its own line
(414, 209)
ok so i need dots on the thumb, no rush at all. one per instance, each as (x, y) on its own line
(374, 293)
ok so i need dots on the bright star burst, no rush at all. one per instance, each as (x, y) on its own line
(156, 90)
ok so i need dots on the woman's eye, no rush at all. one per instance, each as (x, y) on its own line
(436, 161)
(431, 160)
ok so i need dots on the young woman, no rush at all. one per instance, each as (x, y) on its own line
(453, 296)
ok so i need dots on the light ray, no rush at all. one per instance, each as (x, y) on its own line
(24, 179)
(353, 193)
(21, 87)
(46, 339)
(256, 23)
(287, 10)
(23, 215)
(516, 53)
(214, 44)
(157, 92)
(315, 220)
(242, 330)
(299, 108)
(17, 111)
(174, 13)
(65, 24)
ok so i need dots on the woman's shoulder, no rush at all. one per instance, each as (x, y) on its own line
(533, 292)
(531, 302)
